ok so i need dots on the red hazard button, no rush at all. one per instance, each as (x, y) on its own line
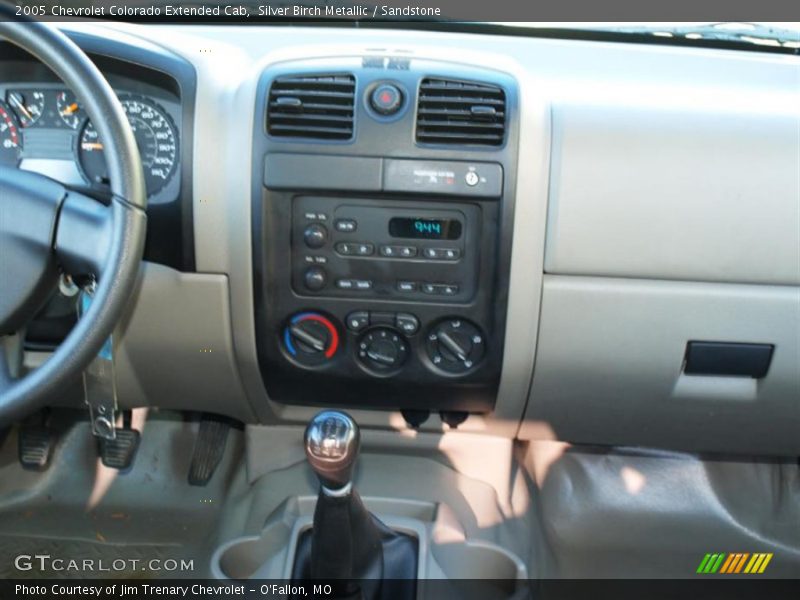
(386, 99)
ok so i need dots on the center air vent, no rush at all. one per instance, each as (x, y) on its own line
(460, 112)
(312, 106)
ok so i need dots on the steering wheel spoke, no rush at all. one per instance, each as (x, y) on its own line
(10, 357)
(84, 235)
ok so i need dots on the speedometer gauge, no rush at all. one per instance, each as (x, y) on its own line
(10, 140)
(156, 138)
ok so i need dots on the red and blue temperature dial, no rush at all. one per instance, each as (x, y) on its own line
(311, 338)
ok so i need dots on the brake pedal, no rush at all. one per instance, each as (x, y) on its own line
(119, 453)
(35, 445)
(209, 447)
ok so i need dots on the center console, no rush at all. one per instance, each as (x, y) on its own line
(383, 211)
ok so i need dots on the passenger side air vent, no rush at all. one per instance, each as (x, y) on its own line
(460, 112)
(312, 106)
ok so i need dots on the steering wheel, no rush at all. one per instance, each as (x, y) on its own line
(47, 229)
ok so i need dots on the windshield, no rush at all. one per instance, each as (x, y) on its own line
(775, 34)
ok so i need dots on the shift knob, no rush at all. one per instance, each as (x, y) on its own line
(331, 443)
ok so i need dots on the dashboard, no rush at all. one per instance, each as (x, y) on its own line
(321, 230)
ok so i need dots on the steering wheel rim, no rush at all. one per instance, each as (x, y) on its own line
(85, 230)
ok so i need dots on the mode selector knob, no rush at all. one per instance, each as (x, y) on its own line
(383, 350)
(455, 346)
(315, 235)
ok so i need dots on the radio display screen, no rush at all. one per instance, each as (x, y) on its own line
(427, 229)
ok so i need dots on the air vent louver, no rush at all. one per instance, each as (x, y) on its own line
(460, 112)
(312, 106)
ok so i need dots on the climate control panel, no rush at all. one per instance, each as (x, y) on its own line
(383, 343)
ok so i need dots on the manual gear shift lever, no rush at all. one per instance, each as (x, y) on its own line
(332, 441)
(346, 542)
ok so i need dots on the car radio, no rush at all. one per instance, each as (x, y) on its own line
(381, 249)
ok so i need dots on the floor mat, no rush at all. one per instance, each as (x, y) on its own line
(80, 519)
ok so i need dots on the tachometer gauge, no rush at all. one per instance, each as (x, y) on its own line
(10, 140)
(69, 110)
(29, 106)
(156, 138)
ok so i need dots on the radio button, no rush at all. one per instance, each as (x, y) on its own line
(345, 225)
(365, 249)
(442, 253)
(440, 289)
(407, 286)
(355, 249)
(452, 253)
(449, 290)
(354, 284)
(398, 251)
(345, 248)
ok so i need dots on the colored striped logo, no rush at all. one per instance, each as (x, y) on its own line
(737, 562)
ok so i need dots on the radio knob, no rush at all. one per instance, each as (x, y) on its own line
(315, 236)
(315, 278)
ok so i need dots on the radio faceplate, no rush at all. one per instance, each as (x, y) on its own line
(380, 249)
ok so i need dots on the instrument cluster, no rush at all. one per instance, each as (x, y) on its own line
(43, 128)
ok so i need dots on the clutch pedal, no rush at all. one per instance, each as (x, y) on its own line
(35, 446)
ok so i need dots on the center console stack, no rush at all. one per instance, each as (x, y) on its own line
(382, 220)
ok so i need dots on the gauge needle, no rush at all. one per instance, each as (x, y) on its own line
(16, 102)
(70, 109)
(92, 146)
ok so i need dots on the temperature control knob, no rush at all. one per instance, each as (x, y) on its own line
(383, 350)
(455, 346)
(311, 338)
